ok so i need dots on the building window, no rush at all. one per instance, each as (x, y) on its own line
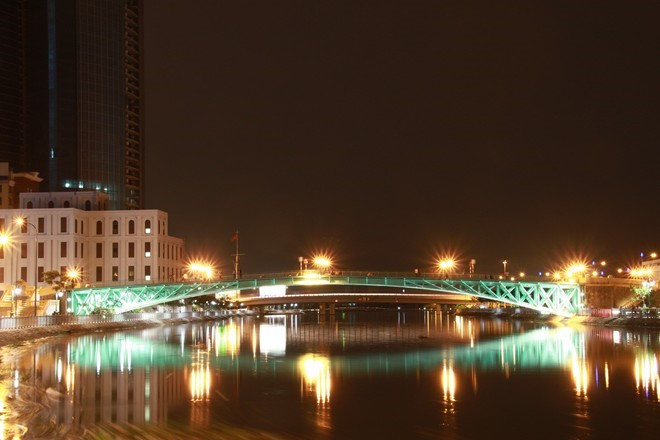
(88, 205)
(131, 227)
(40, 274)
(147, 226)
(131, 250)
(23, 250)
(75, 249)
(67, 204)
(24, 273)
(63, 225)
(115, 227)
(41, 225)
(115, 273)
(82, 250)
(99, 250)
(2, 252)
(131, 273)
(99, 227)
(2, 223)
(115, 250)
(2, 274)
(40, 249)
(75, 226)
(29, 205)
(147, 273)
(51, 204)
(63, 249)
(147, 249)
(82, 227)
(99, 273)
(24, 227)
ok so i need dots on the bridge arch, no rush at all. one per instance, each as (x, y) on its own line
(554, 298)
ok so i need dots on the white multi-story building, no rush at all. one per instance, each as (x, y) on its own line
(73, 229)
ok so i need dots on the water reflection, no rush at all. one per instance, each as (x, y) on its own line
(448, 383)
(315, 371)
(201, 374)
(646, 375)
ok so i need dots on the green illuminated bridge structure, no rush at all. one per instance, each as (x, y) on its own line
(259, 290)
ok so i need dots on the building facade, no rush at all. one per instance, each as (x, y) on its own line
(74, 110)
(108, 247)
(12, 184)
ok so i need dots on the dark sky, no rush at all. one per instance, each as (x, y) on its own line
(391, 131)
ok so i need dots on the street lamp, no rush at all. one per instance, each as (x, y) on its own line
(322, 262)
(20, 222)
(504, 264)
(72, 277)
(446, 264)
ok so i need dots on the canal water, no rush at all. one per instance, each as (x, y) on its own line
(412, 374)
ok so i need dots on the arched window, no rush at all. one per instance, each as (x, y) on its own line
(131, 227)
(88, 205)
(29, 205)
(67, 204)
(99, 227)
(51, 204)
(147, 226)
(115, 227)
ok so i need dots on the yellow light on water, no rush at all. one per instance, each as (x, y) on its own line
(200, 383)
(580, 377)
(315, 371)
(646, 374)
(448, 382)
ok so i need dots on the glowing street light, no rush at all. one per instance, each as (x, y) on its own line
(322, 262)
(5, 239)
(446, 264)
(653, 255)
(200, 269)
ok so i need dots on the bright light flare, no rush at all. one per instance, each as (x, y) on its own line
(73, 273)
(5, 238)
(19, 221)
(201, 269)
(322, 262)
(640, 272)
(446, 264)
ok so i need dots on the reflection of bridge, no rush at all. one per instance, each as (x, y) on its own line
(542, 348)
(556, 298)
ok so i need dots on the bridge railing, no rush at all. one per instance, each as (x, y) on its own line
(336, 273)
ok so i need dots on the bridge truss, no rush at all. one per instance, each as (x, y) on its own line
(555, 298)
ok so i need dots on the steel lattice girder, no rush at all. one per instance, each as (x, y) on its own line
(555, 298)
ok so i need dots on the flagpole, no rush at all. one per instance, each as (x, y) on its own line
(236, 255)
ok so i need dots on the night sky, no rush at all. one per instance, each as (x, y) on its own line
(392, 131)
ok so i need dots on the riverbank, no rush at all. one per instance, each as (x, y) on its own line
(14, 336)
(531, 316)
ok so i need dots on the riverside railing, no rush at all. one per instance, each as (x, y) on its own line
(45, 321)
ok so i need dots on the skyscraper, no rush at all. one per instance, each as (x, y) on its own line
(82, 86)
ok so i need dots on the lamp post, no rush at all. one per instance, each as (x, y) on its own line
(5, 242)
(21, 221)
(504, 264)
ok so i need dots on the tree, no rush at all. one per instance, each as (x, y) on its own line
(643, 292)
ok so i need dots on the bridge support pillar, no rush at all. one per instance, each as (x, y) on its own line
(322, 309)
(332, 309)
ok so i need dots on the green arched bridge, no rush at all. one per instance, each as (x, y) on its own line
(555, 298)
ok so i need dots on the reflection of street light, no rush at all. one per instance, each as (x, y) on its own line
(22, 222)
